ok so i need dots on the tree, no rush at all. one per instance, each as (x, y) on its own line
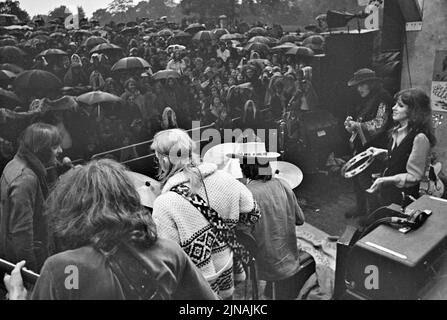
(81, 13)
(13, 7)
(121, 6)
(209, 8)
(60, 13)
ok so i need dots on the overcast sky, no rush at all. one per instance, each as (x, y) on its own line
(34, 7)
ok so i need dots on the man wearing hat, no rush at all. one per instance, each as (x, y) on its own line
(277, 259)
(367, 123)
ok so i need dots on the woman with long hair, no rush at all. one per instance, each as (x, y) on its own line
(111, 241)
(408, 154)
(194, 196)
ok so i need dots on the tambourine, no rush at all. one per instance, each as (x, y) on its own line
(347, 172)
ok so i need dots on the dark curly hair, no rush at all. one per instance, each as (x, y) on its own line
(97, 204)
(419, 111)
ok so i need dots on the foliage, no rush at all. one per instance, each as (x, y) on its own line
(13, 7)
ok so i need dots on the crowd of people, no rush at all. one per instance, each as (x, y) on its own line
(212, 78)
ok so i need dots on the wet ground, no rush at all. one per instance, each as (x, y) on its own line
(325, 198)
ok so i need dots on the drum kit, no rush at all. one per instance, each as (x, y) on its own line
(149, 189)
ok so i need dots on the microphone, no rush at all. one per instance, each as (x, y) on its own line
(66, 162)
(27, 275)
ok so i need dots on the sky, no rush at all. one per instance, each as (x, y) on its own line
(34, 7)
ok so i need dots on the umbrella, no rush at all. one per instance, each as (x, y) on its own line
(232, 36)
(8, 97)
(94, 41)
(165, 33)
(103, 47)
(10, 53)
(37, 80)
(204, 35)
(52, 52)
(131, 24)
(130, 63)
(285, 46)
(219, 32)
(165, 74)
(6, 75)
(183, 34)
(150, 30)
(8, 42)
(289, 38)
(33, 43)
(300, 51)
(38, 33)
(42, 37)
(97, 97)
(128, 30)
(258, 47)
(257, 31)
(260, 39)
(194, 28)
(81, 32)
(57, 34)
(11, 67)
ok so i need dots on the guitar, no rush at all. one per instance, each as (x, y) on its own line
(431, 184)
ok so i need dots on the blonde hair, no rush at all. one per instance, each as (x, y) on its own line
(247, 104)
(175, 152)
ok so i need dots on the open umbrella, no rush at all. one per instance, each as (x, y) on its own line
(130, 63)
(289, 38)
(8, 42)
(57, 35)
(10, 53)
(128, 30)
(93, 41)
(8, 97)
(300, 51)
(260, 39)
(182, 35)
(11, 67)
(204, 35)
(232, 36)
(81, 32)
(175, 47)
(219, 32)
(52, 52)
(42, 37)
(106, 47)
(97, 97)
(6, 75)
(258, 47)
(37, 80)
(257, 31)
(194, 28)
(165, 74)
(165, 33)
(284, 47)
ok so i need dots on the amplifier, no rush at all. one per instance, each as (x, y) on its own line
(387, 264)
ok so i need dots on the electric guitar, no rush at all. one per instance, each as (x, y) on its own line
(431, 184)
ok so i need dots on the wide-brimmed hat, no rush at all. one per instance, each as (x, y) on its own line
(253, 150)
(361, 76)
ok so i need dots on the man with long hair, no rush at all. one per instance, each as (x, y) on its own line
(111, 242)
(23, 226)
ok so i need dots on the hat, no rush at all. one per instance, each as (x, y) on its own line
(253, 150)
(361, 76)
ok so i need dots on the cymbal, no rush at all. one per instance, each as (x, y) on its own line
(148, 189)
(217, 154)
(288, 172)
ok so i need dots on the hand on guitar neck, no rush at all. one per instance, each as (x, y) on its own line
(354, 127)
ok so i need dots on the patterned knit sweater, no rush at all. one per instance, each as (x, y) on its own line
(177, 219)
